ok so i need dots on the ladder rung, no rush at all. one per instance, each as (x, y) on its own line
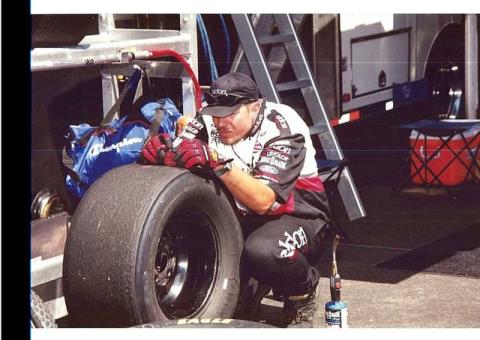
(329, 166)
(262, 68)
(318, 129)
(276, 38)
(292, 85)
(276, 66)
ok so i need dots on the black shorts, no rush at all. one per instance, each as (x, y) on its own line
(282, 252)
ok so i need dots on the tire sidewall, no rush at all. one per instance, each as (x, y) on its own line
(196, 193)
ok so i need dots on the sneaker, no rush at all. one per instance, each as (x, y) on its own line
(251, 296)
(299, 311)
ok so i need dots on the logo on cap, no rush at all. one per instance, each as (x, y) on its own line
(219, 91)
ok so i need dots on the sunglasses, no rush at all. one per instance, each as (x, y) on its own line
(226, 99)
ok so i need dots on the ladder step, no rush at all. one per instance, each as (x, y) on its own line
(328, 166)
(276, 38)
(318, 129)
(293, 85)
(276, 66)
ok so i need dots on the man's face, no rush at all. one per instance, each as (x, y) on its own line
(236, 126)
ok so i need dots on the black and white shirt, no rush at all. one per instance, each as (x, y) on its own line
(279, 152)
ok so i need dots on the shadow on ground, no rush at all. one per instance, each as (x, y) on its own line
(411, 232)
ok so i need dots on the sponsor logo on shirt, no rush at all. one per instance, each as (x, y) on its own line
(269, 169)
(215, 135)
(274, 161)
(282, 121)
(257, 146)
(282, 148)
(277, 155)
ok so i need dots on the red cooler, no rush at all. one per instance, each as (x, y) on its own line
(449, 174)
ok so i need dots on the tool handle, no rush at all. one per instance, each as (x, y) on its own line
(189, 131)
(335, 287)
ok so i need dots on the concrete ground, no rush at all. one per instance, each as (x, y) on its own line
(414, 261)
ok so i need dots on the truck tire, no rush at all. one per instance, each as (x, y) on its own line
(40, 314)
(151, 244)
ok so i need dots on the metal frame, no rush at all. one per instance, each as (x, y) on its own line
(114, 45)
(471, 66)
(251, 39)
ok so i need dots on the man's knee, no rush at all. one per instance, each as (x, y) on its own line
(257, 250)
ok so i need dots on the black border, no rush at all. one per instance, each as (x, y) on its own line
(15, 141)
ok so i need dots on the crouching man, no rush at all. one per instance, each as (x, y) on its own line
(263, 154)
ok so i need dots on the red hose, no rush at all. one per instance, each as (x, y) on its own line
(176, 55)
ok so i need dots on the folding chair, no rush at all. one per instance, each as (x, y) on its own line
(409, 96)
(330, 171)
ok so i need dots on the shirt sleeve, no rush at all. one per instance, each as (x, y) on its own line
(280, 164)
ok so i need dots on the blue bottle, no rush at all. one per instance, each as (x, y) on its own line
(336, 310)
(336, 314)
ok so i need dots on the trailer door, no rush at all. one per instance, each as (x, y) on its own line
(378, 61)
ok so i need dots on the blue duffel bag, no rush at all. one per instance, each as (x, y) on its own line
(91, 151)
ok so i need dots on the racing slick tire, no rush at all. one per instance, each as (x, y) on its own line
(151, 244)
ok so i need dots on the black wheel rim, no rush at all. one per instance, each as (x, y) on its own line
(186, 264)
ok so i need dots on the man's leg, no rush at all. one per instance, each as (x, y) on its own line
(280, 253)
(252, 291)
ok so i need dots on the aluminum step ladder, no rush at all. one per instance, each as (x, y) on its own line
(283, 45)
(263, 24)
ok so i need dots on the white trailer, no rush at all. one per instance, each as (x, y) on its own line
(371, 53)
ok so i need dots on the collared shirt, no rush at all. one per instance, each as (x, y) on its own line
(279, 152)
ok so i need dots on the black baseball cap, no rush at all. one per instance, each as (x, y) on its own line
(228, 93)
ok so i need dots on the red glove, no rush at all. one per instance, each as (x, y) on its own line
(154, 149)
(193, 153)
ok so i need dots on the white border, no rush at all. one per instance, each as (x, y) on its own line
(253, 333)
(253, 6)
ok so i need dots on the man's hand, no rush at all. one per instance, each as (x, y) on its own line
(193, 153)
(156, 147)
